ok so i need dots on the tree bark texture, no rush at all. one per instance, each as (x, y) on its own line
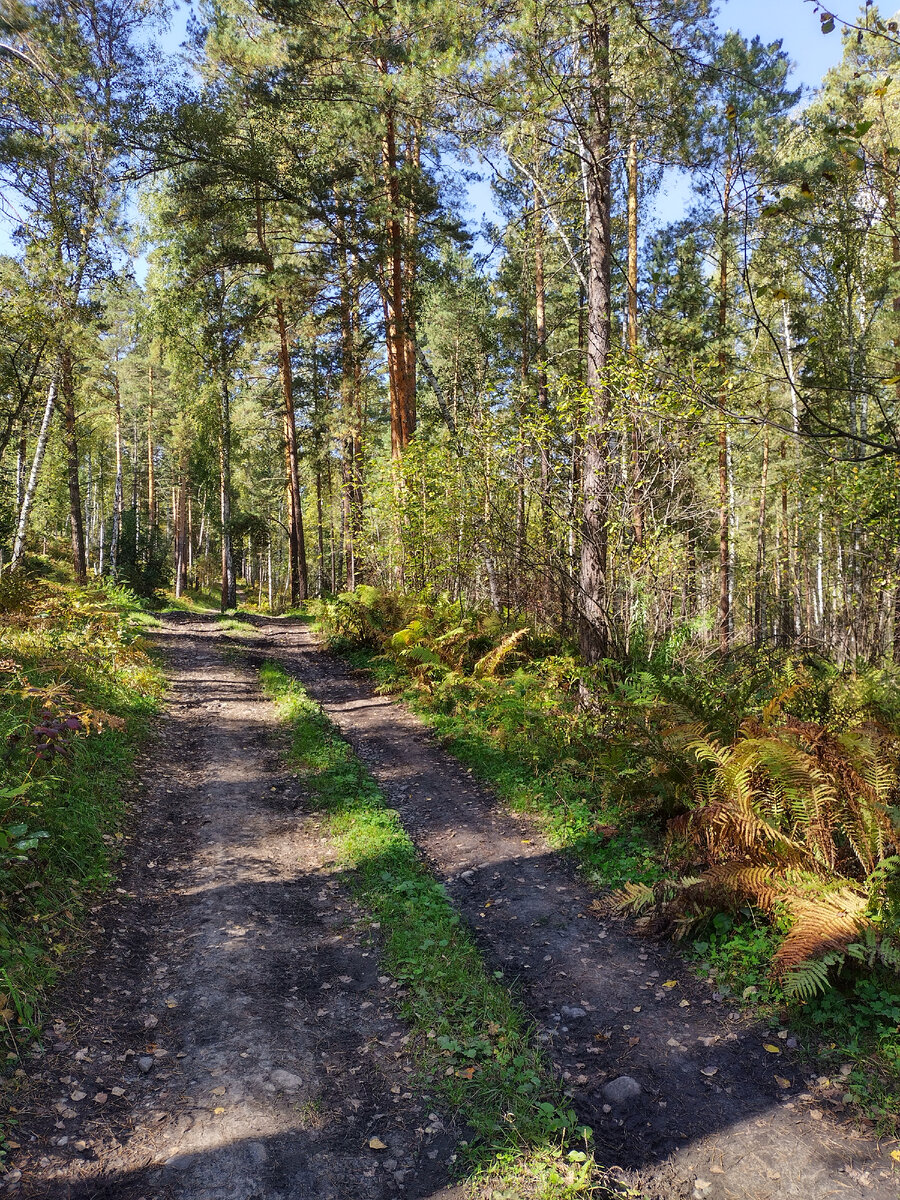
(593, 628)
(70, 436)
(36, 463)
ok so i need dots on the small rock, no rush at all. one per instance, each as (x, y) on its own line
(178, 1162)
(572, 1012)
(145, 1063)
(622, 1090)
(286, 1080)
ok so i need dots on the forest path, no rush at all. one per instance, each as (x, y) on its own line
(713, 1119)
(229, 1035)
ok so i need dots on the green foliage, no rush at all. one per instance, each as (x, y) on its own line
(75, 684)
(749, 802)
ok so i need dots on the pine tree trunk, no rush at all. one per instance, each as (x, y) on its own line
(403, 413)
(151, 465)
(540, 329)
(632, 329)
(181, 534)
(351, 447)
(229, 583)
(594, 633)
(724, 615)
(298, 568)
(520, 447)
(117, 488)
(759, 600)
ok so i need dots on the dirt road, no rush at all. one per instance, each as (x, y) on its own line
(710, 1119)
(231, 1036)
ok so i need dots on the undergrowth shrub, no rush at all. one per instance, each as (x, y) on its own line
(74, 674)
(763, 781)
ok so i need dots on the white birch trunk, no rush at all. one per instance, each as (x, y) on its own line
(36, 462)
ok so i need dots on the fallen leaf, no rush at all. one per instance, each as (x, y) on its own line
(76, 1096)
(709, 1071)
(670, 983)
(466, 1072)
(895, 1155)
(771, 1049)
(217, 1091)
(218, 1111)
(101, 1098)
(395, 1090)
(684, 1004)
(782, 1082)
(375, 1143)
(117, 1091)
(637, 1008)
(633, 1041)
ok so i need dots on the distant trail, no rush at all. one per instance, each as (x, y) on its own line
(230, 1035)
(711, 1121)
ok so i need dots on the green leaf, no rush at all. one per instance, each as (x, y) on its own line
(827, 23)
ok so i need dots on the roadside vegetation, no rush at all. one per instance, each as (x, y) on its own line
(76, 687)
(474, 1043)
(744, 804)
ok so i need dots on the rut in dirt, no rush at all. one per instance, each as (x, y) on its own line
(712, 1120)
(230, 1035)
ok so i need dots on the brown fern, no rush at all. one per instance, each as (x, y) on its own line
(488, 664)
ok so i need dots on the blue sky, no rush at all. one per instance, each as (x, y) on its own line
(796, 24)
(794, 21)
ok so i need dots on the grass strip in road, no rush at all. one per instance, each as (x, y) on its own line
(475, 1043)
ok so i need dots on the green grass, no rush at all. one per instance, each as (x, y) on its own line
(518, 732)
(475, 1044)
(232, 624)
(498, 727)
(65, 652)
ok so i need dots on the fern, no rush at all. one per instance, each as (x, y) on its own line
(807, 980)
(634, 897)
(494, 658)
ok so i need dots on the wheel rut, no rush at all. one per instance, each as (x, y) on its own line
(230, 1034)
(713, 1119)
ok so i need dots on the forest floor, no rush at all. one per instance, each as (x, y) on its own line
(231, 1034)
